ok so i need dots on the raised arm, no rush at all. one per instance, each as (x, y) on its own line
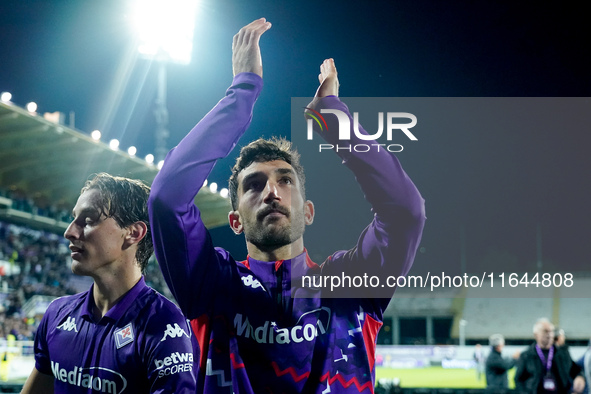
(388, 245)
(190, 264)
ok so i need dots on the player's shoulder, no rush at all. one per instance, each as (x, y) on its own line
(62, 308)
(161, 318)
(224, 254)
(157, 306)
(67, 303)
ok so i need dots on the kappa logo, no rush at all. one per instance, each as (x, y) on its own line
(69, 324)
(173, 332)
(250, 281)
(124, 336)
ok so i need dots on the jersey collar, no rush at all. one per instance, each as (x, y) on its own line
(117, 311)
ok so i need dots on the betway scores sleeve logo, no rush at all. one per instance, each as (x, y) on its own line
(314, 116)
(174, 363)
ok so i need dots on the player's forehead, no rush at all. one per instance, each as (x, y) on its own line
(89, 201)
(266, 168)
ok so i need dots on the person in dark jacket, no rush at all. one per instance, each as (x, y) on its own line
(585, 363)
(497, 366)
(545, 368)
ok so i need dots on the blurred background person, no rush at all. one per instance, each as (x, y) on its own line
(585, 363)
(497, 366)
(544, 367)
(479, 360)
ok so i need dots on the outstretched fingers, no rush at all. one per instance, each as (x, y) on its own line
(328, 69)
(246, 55)
(328, 79)
(251, 33)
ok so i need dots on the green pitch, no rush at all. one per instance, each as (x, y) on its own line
(432, 377)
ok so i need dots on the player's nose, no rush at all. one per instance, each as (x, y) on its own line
(72, 232)
(271, 192)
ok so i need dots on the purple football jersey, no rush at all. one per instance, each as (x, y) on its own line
(256, 332)
(142, 345)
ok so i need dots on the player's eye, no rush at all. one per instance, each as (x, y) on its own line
(90, 219)
(254, 185)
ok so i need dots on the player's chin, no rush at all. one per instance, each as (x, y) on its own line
(78, 268)
(278, 227)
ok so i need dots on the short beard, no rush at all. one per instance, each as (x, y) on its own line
(266, 239)
(269, 238)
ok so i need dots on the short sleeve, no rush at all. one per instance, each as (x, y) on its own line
(172, 352)
(42, 360)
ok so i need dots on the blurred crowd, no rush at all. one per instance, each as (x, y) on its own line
(40, 206)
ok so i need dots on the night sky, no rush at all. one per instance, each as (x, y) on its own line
(498, 184)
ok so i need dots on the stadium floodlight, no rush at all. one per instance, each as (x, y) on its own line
(32, 107)
(131, 151)
(150, 158)
(96, 135)
(224, 192)
(165, 33)
(5, 97)
(114, 144)
(463, 324)
(160, 164)
(165, 28)
(213, 187)
(205, 183)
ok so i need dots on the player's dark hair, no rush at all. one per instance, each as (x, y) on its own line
(126, 201)
(262, 151)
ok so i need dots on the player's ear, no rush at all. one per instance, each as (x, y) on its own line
(235, 224)
(135, 233)
(308, 212)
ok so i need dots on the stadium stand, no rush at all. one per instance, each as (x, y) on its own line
(41, 177)
(44, 166)
(513, 317)
(576, 324)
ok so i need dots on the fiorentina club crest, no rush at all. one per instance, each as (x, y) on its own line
(124, 336)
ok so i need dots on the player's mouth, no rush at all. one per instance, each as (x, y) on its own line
(76, 252)
(273, 212)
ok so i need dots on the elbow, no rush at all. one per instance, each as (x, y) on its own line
(417, 212)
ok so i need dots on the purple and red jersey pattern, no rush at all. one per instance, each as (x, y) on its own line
(143, 344)
(257, 333)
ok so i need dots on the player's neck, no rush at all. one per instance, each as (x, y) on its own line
(109, 289)
(284, 252)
